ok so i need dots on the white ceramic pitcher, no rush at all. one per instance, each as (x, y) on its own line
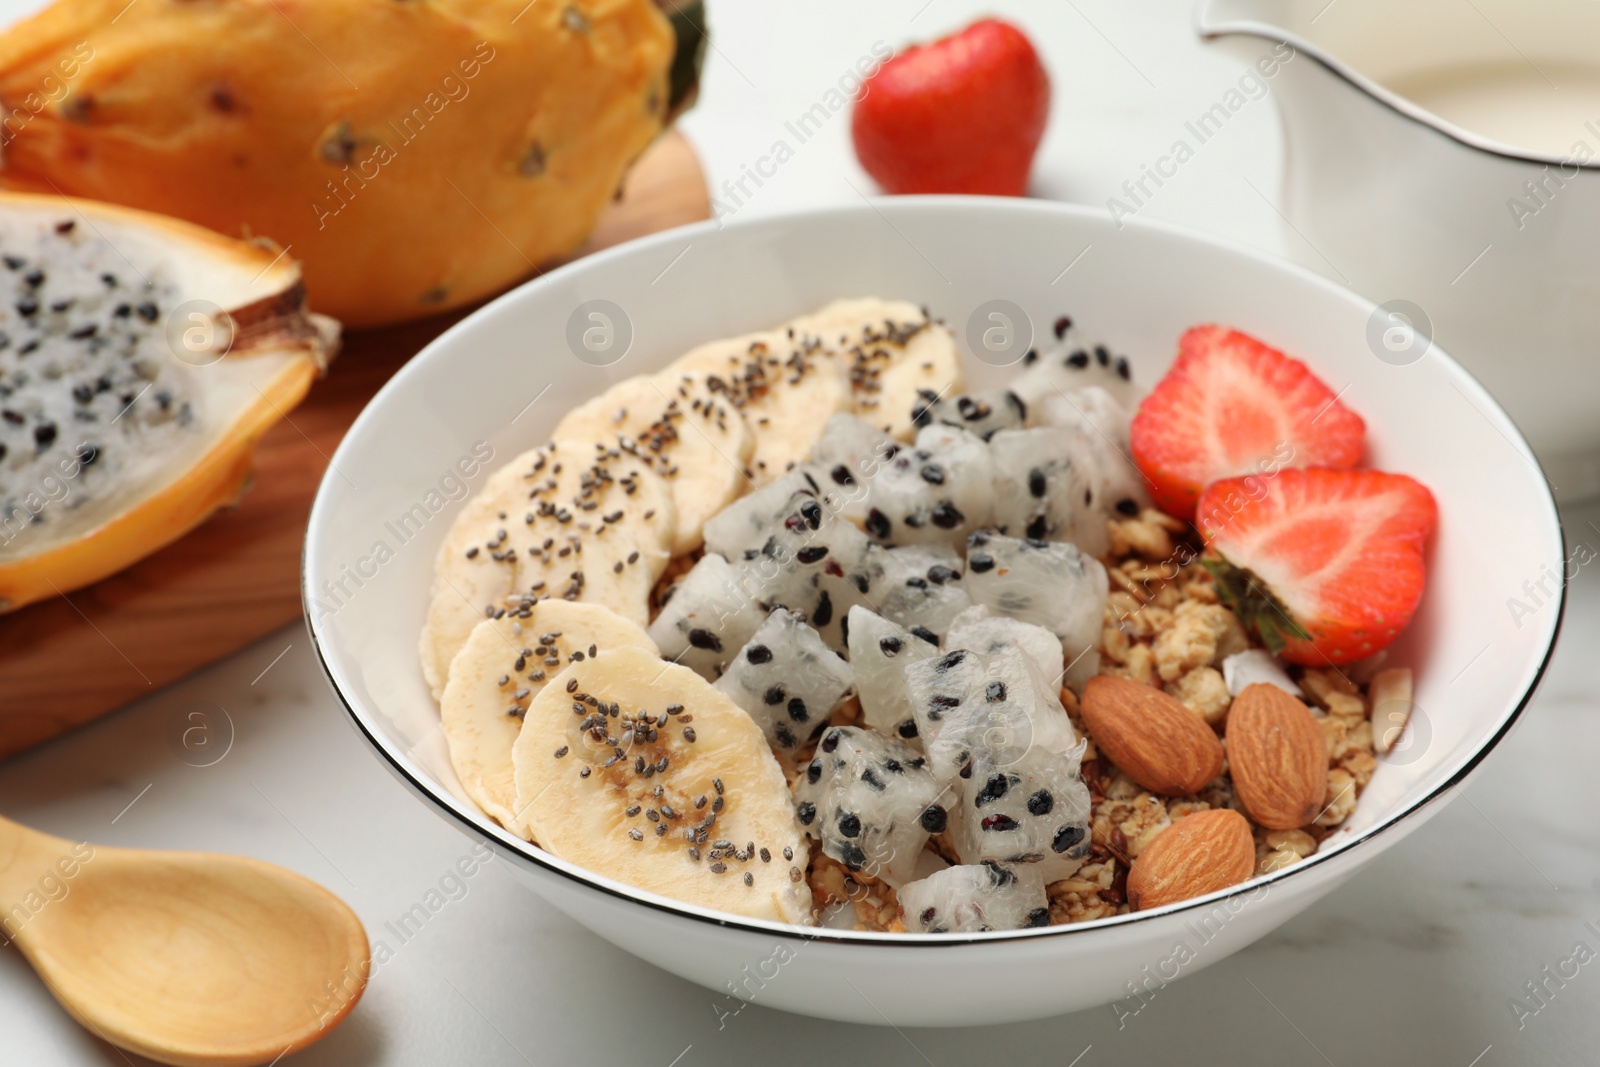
(1443, 157)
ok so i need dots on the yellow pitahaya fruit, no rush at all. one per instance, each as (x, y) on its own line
(414, 155)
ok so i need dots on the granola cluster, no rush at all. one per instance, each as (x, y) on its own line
(1163, 627)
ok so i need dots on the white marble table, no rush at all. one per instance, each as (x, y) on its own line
(1417, 961)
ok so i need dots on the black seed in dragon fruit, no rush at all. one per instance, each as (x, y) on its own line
(787, 679)
(1103, 424)
(968, 704)
(1048, 583)
(845, 461)
(707, 616)
(980, 414)
(880, 652)
(975, 897)
(937, 491)
(871, 802)
(919, 587)
(1048, 487)
(1032, 812)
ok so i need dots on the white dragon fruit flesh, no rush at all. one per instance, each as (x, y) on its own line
(1103, 425)
(919, 587)
(744, 525)
(1071, 367)
(938, 490)
(1048, 583)
(871, 803)
(969, 704)
(1034, 812)
(787, 679)
(975, 897)
(706, 617)
(980, 414)
(1047, 487)
(813, 563)
(844, 462)
(983, 631)
(880, 651)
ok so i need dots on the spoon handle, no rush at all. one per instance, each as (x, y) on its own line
(34, 868)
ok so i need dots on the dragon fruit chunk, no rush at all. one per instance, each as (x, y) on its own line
(1047, 487)
(919, 587)
(880, 650)
(1073, 367)
(1050, 584)
(1102, 424)
(967, 704)
(706, 617)
(939, 490)
(787, 679)
(813, 563)
(747, 523)
(975, 897)
(845, 460)
(983, 631)
(980, 414)
(1033, 811)
(871, 803)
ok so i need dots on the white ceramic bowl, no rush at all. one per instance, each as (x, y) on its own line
(1479, 643)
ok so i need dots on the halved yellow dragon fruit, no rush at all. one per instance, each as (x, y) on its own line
(140, 360)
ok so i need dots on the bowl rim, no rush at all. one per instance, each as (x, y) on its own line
(475, 823)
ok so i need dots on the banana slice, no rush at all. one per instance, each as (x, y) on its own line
(569, 520)
(688, 435)
(893, 353)
(785, 384)
(503, 665)
(640, 770)
(469, 575)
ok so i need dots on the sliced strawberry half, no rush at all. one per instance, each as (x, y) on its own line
(1323, 566)
(1231, 405)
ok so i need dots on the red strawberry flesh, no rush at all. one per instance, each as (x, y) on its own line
(1340, 552)
(1230, 406)
(1326, 564)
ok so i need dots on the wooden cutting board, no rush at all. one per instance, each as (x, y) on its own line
(236, 578)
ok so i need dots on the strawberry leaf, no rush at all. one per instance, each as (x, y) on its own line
(1261, 613)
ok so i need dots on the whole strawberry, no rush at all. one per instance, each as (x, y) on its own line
(961, 115)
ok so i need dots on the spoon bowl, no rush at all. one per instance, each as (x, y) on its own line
(188, 958)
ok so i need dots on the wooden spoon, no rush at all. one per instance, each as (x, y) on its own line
(189, 958)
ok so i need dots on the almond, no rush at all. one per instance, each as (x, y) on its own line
(1278, 757)
(1198, 854)
(1155, 740)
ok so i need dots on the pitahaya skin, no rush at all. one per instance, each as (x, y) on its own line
(483, 139)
